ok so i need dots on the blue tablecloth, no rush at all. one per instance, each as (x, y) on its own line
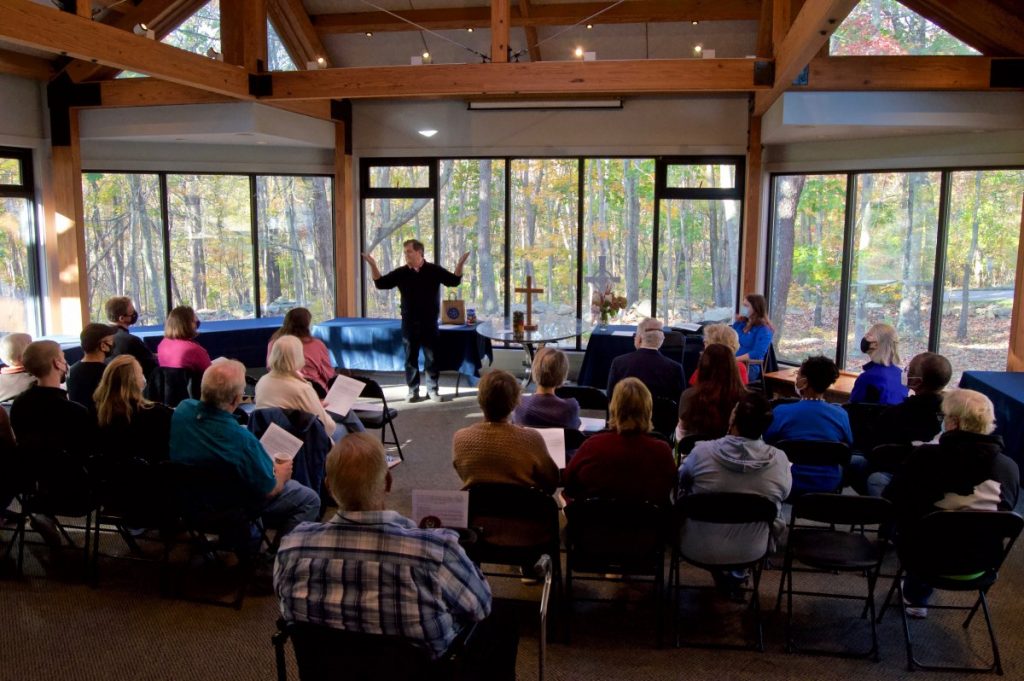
(1006, 390)
(376, 345)
(604, 347)
(242, 339)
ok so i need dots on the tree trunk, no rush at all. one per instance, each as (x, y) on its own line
(788, 192)
(485, 261)
(194, 204)
(271, 272)
(298, 256)
(632, 200)
(965, 295)
(154, 274)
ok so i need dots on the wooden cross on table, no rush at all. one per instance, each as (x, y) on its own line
(529, 291)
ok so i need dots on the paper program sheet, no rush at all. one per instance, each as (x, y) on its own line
(342, 395)
(554, 438)
(450, 508)
(280, 444)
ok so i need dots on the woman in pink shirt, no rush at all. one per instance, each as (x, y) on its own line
(317, 369)
(179, 349)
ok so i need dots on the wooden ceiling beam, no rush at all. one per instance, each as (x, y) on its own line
(811, 28)
(26, 66)
(526, 79)
(243, 33)
(293, 25)
(530, 31)
(884, 73)
(630, 12)
(501, 10)
(993, 27)
(47, 28)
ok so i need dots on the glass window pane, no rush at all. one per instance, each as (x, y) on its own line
(472, 196)
(124, 246)
(701, 176)
(399, 177)
(17, 287)
(981, 260)
(200, 32)
(278, 58)
(296, 243)
(211, 245)
(618, 228)
(10, 171)
(387, 223)
(543, 233)
(807, 264)
(698, 260)
(886, 27)
(895, 225)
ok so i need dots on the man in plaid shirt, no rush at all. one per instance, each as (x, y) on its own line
(373, 571)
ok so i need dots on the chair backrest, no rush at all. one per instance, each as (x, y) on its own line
(665, 415)
(574, 439)
(815, 452)
(843, 509)
(59, 481)
(958, 542)
(512, 517)
(308, 464)
(587, 396)
(727, 508)
(888, 458)
(608, 534)
(172, 386)
(864, 419)
(371, 388)
(686, 445)
(207, 498)
(323, 653)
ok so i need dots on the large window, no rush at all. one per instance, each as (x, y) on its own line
(19, 279)
(572, 224)
(168, 239)
(931, 252)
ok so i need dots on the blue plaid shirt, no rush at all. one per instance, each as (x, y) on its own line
(376, 572)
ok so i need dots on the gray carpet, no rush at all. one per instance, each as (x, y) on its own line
(55, 627)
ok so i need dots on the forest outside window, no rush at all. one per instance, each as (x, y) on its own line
(19, 276)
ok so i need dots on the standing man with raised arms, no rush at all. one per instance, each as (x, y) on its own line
(419, 283)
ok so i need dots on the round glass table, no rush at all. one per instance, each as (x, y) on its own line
(549, 330)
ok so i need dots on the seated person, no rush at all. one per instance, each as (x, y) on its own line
(373, 571)
(880, 381)
(14, 380)
(625, 462)
(85, 374)
(545, 409)
(204, 433)
(739, 462)
(285, 388)
(179, 349)
(130, 425)
(496, 451)
(721, 334)
(966, 470)
(662, 376)
(121, 313)
(755, 332)
(316, 367)
(704, 409)
(43, 417)
(812, 418)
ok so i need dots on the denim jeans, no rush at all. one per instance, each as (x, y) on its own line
(295, 504)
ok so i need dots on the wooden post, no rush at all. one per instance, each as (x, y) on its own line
(346, 264)
(66, 270)
(752, 209)
(244, 33)
(1015, 360)
(501, 17)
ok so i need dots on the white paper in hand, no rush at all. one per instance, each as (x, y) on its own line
(343, 394)
(554, 438)
(589, 424)
(280, 444)
(443, 508)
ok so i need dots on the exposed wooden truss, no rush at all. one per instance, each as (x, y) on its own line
(993, 27)
(898, 73)
(296, 31)
(530, 31)
(26, 66)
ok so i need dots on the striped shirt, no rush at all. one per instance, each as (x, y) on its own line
(375, 572)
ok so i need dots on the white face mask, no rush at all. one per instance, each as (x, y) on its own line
(746, 310)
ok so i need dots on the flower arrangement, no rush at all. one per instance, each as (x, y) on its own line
(606, 303)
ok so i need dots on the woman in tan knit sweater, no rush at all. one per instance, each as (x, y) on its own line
(496, 451)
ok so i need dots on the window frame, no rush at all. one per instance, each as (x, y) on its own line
(27, 190)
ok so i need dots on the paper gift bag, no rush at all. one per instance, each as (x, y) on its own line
(453, 310)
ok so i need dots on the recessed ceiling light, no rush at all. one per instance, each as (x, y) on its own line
(426, 55)
(469, 30)
(590, 26)
(697, 49)
(578, 52)
(427, 133)
(694, 23)
(369, 34)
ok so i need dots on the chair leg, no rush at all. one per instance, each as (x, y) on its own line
(755, 601)
(788, 576)
(911, 662)
(394, 434)
(872, 581)
(974, 610)
(888, 596)
(997, 664)
(659, 605)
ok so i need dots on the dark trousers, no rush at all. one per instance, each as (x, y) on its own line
(489, 652)
(418, 336)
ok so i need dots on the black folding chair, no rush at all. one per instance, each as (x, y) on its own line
(864, 418)
(955, 551)
(818, 466)
(767, 365)
(379, 419)
(587, 396)
(665, 417)
(610, 536)
(827, 549)
(722, 509)
(171, 386)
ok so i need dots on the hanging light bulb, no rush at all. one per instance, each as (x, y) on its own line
(578, 52)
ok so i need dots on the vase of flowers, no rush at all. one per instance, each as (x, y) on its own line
(605, 303)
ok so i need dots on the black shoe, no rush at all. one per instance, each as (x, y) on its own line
(435, 396)
(412, 396)
(46, 527)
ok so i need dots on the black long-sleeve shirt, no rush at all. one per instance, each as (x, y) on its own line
(127, 344)
(421, 294)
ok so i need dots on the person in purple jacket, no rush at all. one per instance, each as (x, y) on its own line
(755, 330)
(880, 380)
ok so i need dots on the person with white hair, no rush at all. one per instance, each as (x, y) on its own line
(880, 381)
(14, 380)
(285, 387)
(662, 376)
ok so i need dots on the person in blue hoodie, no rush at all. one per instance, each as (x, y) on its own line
(738, 462)
(880, 381)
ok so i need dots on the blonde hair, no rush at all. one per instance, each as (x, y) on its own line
(118, 394)
(887, 343)
(12, 347)
(550, 367)
(357, 471)
(181, 323)
(972, 409)
(650, 334)
(631, 407)
(286, 355)
(223, 381)
(722, 334)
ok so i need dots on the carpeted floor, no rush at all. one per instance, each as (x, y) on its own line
(56, 627)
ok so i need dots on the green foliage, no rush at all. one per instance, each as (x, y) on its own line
(200, 32)
(881, 27)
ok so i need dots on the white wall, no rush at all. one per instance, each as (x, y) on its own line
(21, 114)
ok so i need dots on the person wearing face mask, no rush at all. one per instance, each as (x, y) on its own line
(880, 381)
(179, 349)
(755, 332)
(85, 374)
(129, 424)
(812, 418)
(122, 314)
